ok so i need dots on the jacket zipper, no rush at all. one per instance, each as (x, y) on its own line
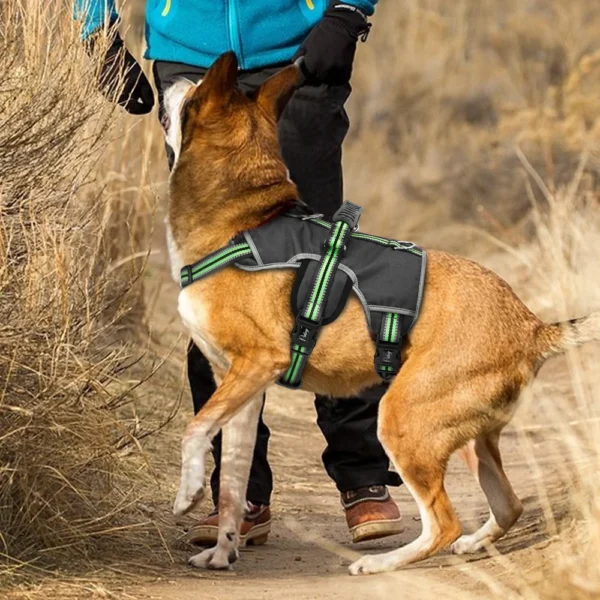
(234, 31)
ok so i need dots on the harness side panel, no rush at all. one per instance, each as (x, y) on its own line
(278, 241)
(389, 279)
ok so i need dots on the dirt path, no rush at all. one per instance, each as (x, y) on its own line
(308, 550)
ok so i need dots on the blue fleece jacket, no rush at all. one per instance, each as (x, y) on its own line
(196, 32)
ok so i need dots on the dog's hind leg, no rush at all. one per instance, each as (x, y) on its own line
(482, 456)
(246, 378)
(419, 448)
(239, 437)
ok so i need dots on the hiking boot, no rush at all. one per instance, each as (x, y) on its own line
(371, 513)
(254, 530)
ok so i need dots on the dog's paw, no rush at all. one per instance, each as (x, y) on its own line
(467, 544)
(367, 565)
(186, 499)
(214, 558)
(200, 561)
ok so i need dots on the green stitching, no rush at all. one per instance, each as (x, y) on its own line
(394, 327)
(388, 323)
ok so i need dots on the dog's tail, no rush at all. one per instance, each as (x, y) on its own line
(557, 338)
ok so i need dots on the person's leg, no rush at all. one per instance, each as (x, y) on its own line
(311, 130)
(354, 458)
(200, 375)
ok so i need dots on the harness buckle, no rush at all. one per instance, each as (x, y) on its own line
(388, 359)
(186, 275)
(305, 333)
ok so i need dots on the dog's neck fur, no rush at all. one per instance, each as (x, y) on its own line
(209, 205)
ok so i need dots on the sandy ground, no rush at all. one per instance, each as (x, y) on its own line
(309, 549)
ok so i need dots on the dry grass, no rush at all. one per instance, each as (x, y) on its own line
(475, 129)
(72, 249)
(445, 92)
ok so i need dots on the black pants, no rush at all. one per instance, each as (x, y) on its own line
(311, 131)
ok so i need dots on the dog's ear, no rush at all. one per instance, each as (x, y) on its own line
(219, 82)
(274, 94)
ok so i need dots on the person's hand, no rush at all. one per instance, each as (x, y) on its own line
(328, 51)
(120, 71)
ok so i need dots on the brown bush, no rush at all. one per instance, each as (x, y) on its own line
(70, 263)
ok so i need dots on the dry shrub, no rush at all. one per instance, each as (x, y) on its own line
(70, 264)
(558, 278)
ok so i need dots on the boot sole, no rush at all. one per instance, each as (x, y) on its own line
(374, 530)
(207, 535)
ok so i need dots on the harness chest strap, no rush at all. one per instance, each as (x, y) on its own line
(310, 318)
(213, 262)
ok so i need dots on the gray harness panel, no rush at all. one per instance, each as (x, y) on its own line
(386, 276)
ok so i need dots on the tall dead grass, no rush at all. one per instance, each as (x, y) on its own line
(73, 239)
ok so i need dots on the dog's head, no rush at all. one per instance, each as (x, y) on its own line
(213, 120)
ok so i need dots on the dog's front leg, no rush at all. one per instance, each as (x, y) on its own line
(239, 438)
(246, 378)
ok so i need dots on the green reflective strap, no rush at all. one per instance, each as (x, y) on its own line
(387, 327)
(220, 257)
(390, 328)
(394, 332)
(213, 262)
(298, 353)
(314, 306)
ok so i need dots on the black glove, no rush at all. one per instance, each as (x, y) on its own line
(121, 70)
(329, 49)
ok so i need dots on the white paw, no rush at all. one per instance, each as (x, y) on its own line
(214, 558)
(200, 561)
(187, 498)
(467, 544)
(367, 565)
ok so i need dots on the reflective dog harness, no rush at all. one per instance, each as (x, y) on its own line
(332, 260)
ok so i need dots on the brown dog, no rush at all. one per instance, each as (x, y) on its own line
(473, 349)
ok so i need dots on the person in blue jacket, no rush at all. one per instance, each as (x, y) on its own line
(184, 37)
